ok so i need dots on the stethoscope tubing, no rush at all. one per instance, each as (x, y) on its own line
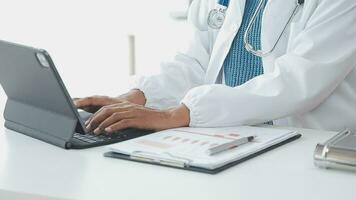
(247, 45)
(261, 53)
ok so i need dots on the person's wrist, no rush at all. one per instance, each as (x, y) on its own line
(178, 116)
(135, 96)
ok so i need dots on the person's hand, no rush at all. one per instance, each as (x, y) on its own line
(129, 115)
(94, 103)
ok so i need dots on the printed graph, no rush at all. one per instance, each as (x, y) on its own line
(189, 139)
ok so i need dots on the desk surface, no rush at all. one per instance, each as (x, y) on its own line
(31, 166)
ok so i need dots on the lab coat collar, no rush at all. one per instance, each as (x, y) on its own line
(225, 38)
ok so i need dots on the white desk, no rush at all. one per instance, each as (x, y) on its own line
(31, 166)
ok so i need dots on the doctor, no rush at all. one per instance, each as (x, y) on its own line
(249, 62)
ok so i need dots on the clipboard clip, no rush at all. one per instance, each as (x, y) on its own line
(173, 161)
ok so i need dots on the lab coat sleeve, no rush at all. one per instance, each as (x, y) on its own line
(318, 60)
(185, 71)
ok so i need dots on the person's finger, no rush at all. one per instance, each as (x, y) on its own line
(123, 124)
(91, 101)
(91, 109)
(104, 113)
(116, 117)
(99, 116)
(100, 110)
(78, 102)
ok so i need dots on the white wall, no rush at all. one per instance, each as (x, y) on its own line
(88, 39)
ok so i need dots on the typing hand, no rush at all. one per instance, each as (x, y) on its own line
(129, 115)
(94, 103)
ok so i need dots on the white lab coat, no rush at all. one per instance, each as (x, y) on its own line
(309, 80)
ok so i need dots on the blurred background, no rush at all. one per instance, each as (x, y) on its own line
(97, 44)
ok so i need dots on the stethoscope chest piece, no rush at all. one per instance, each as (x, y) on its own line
(216, 18)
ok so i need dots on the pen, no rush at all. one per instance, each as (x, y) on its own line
(229, 145)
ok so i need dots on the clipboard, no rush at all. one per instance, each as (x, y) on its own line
(184, 166)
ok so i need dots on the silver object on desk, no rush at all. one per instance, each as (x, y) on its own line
(229, 145)
(339, 152)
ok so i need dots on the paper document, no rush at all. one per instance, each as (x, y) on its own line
(190, 145)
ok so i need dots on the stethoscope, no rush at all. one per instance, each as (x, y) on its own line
(217, 16)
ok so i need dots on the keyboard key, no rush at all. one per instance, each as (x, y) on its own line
(92, 138)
